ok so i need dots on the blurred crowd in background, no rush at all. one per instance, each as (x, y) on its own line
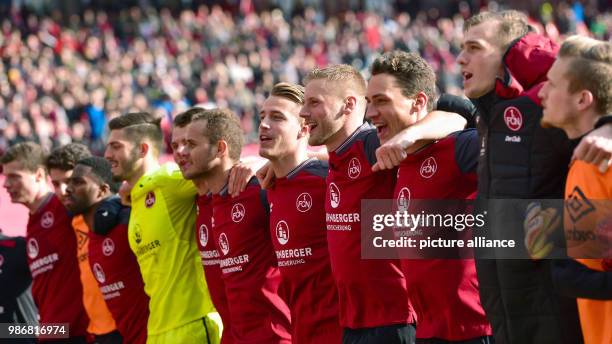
(65, 74)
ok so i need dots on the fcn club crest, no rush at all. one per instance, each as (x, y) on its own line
(303, 202)
(513, 118)
(354, 169)
(47, 220)
(108, 247)
(429, 167)
(238, 212)
(150, 199)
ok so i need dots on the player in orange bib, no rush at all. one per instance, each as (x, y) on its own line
(576, 98)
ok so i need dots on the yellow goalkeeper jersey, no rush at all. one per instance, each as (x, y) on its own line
(161, 234)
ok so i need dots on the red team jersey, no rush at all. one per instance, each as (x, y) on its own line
(118, 274)
(249, 268)
(51, 248)
(372, 293)
(210, 262)
(297, 227)
(444, 292)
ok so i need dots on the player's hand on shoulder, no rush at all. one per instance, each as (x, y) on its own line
(265, 176)
(124, 193)
(392, 153)
(239, 177)
(596, 148)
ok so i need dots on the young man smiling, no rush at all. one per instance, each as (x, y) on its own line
(444, 292)
(297, 217)
(334, 110)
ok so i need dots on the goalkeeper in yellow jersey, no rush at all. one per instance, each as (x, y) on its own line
(161, 233)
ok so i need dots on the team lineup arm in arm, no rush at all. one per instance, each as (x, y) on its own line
(436, 125)
(595, 148)
(238, 180)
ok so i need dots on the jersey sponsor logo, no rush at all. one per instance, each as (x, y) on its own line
(403, 199)
(150, 199)
(108, 247)
(303, 203)
(282, 232)
(428, 167)
(47, 219)
(99, 273)
(513, 139)
(334, 195)
(137, 234)
(513, 118)
(44, 264)
(354, 169)
(112, 290)
(203, 235)
(224, 244)
(578, 205)
(32, 248)
(238, 212)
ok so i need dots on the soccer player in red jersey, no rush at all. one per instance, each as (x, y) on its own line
(90, 193)
(297, 217)
(60, 164)
(444, 292)
(51, 243)
(207, 247)
(373, 301)
(240, 226)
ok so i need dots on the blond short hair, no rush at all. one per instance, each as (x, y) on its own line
(590, 68)
(346, 75)
(292, 92)
(512, 25)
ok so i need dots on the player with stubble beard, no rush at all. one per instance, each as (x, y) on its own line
(373, 301)
(207, 247)
(90, 194)
(160, 233)
(240, 228)
(60, 164)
